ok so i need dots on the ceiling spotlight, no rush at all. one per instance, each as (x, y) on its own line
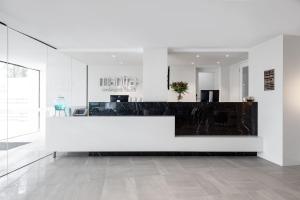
(218, 62)
(227, 55)
(113, 56)
(197, 56)
(192, 63)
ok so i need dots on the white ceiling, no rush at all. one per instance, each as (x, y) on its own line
(206, 59)
(98, 24)
(199, 59)
(109, 58)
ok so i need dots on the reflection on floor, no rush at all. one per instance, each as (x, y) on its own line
(10, 145)
(79, 177)
(21, 151)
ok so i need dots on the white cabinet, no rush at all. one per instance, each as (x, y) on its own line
(79, 83)
(58, 75)
(3, 43)
(25, 51)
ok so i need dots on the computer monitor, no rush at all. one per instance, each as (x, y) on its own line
(119, 98)
(209, 95)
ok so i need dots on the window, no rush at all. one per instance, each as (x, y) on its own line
(23, 100)
(19, 116)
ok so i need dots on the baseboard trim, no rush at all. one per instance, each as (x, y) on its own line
(158, 153)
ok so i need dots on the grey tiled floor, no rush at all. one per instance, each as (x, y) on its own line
(79, 177)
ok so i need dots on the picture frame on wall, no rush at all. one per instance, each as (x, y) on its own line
(269, 80)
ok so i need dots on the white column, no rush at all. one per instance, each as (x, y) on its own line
(265, 56)
(155, 71)
(291, 100)
(279, 109)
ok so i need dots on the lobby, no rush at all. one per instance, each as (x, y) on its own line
(149, 100)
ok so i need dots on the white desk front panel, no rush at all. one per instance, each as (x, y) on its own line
(111, 133)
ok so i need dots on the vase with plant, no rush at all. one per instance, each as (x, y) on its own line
(180, 88)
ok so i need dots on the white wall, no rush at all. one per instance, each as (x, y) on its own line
(58, 77)
(96, 72)
(231, 82)
(265, 56)
(291, 100)
(185, 74)
(66, 77)
(78, 83)
(224, 88)
(155, 70)
(206, 81)
(234, 83)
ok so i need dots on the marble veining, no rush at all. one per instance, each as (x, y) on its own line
(191, 118)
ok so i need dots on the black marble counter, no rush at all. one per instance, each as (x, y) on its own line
(191, 118)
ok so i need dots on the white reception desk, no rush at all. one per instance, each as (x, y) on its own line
(136, 133)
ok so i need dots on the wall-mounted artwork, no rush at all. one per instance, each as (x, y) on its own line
(269, 79)
(119, 84)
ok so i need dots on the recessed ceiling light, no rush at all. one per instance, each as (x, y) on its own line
(218, 62)
(113, 56)
(227, 55)
(192, 63)
(197, 56)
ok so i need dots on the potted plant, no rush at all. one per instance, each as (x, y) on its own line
(180, 88)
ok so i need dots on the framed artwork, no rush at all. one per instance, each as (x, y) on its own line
(269, 80)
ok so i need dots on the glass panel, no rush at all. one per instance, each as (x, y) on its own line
(23, 150)
(23, 101)
(23, 116)
(3, 118)
(3, 157)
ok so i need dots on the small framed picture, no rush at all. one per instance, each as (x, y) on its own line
(269, 79)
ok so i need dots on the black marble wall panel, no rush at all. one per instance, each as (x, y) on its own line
(191, 118)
